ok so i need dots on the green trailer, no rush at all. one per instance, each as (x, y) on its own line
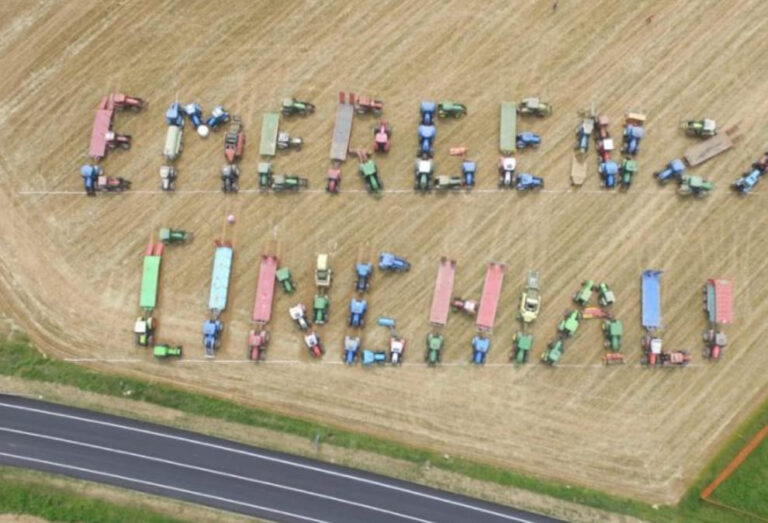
(508, 128)
(150, 276)
(270, 122)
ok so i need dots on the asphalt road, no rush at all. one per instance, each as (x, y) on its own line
(220, 473)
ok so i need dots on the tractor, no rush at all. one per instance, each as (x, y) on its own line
(584, 294)
(298, 314)
(363, 272)
(467, 306)
(427, 134)
(351, 349)
(144, 331)
(168, 175)
(528, 182)
(234, 140)
(91, 174)
(453, 109)
(427, 110)
(174, 115)
(570, 324)
(230, 176)
(749, 180)
(422, 172)
(109, 184)
(627, 171)
(392, 262)
(533, 106)
(315, 347)
(447, 183)
(385, 321)
(673, 171)
(371, 357)
(370, 174)
(434, 346)
(257, 344)
(167, 351)
(396, 349)
(714, 343)
(608, 172)
(195, 114)
(292, 106)
(382, 134)
(522, 347)
(365, 105)
(170, 236)
(699, 128)
(526, 140)
(530, 301)
(285, 141)
(122, 102)
(652, 350)
(212, 329)
(583, 133)
(678, 358)
(480, 347)
(613, 330)
(507, 166)
(323, 272)
(632, 136)
(695, 185)
(357, 310)
(554, 352)
(265, 175)
(288, 182)
(320, 306)
(115, 140)
(333, 180)
(285, 278)
(468, 171)
(605, 296)
(219, 116)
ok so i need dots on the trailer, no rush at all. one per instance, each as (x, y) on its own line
(709, 148)
(265, 289)
(270, 123)
(222, 268)
(150, 276)
(489, 301)
(508, 128)
(342, 129)
(441, 299)
(578, 169)
(651, 299)
(719, 301)
(102, 124)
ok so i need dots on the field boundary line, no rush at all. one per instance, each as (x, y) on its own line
(734, 463)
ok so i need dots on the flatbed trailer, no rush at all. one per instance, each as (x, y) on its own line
(342, 129)
(709, 148)
(265, 289)
(650, 283)
(719, 300)
(441, 299)
(508, 128)
(150, 275)
(578, 169)
(222, 268)
(489, 301)
(102, 124)
(270, 123)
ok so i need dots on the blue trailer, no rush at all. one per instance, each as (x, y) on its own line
(651, 299)
(217, 299)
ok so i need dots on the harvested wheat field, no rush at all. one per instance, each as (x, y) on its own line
(70, 265)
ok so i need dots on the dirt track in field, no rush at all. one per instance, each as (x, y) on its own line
(70, 265)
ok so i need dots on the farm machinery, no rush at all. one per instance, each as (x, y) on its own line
(170, 236)
(144, 331)
(480, 347)
(466, 306)
(288, 183)
(584, 294)
(750, 179)
(396, 349)
(695, 185)
(286, 142)
(528, 182)
(633, 133)
(718, 304)
(365, 105)
(167, 351)
(423, 171)
(212, 329)
(124, 102)
(110, 184)
(320, 305)
(357, 310)
(168, 175)
(533, 106)
(704, 128)
(392, 262)
(673, 171)
(468, 172)
(118, 141)
(613, 330)
(94, 180)
(530, 301)
(257, 344)
(369, 172)
(605, 296)
(230, 178)
(174, 115)
(363, 272)
(452, 109)
(608, 171)
(234, 140)
(314, 345)
(434, 346)
(554, 352)
(333, 180)
(382, 134)
(351, 349)
(507, 166)
(173, 143)
(371, 357)
(583, 132)
(521, 348)
(195, 114)
(265, 172)
(627, 171)
(654, 354)
(285, 279)
(447, 183)
(292, 106)
(219, 116)
(427, 110)
(298, 314)
(427, 134)
(323, 271)
(570, 323)
(528, 140)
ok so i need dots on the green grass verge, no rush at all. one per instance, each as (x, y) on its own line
(19, 358)
(61, 504)
(747, 488)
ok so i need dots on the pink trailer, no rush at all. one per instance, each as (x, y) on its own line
(720, 300)
(441, 299)
(265, 289)
(489, 301)
(102, 124)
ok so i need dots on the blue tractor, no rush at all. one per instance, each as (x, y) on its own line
(748, 182)
(357, 310)
(370, 357)
(468, 171)
(525, 140)
(427, 135)
(632, 136)
(211, 334)
(392, 262)
(363, 271)
(528, 182)
(609, 171)
(674, 171)
(480, 347)
(90, 174)
(428, 113)
(174, 115)
(219, 116)
(195, 114)
(351, 348)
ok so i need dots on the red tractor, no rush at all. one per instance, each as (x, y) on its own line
(333, 180)
(123, 101)
(675, 357)
(315, 347)
(381, 137)
(109, 184)
(115, 140)
(257, 344)
(365, 105)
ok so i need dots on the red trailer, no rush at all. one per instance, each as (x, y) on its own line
(489, 301)
(265, 289)
(719, 301)
(441, 299)
(102, 124)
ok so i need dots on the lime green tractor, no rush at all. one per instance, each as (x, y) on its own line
(627, 171)
(370, 174)
(583, 296)
(554, 352)
(570, 324)
(613, 330)
(265, 175)
(434, 346)
(167, 351)
(170, 236)
(320, 306)
(285, 278)
(454, 109)
(523, 343)
(695, 185)
(291, 106)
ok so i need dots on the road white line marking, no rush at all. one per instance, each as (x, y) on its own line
(274, 459)
(160, 486)
(218, 473)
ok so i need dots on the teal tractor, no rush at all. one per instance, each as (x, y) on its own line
(695, 185)
(570, 324)
(285, 278)
(170, 236)
(613, 330)
(434, 346)
(454, 109)
(522, 347)
(320, 306)
(554, 352)
(265, 175)
(583, 296)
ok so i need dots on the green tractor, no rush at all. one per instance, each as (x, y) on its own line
(170, 236)
(423, 171)
(288, 182)
(699, 128)
(534, 107)
(454, 109)
(167, 351)
(320, 305)
(570, 324)
(554, 352)
(370, 174)
(627, 171)
(434, 346)
(613, 330)
(285, 279)
(605, 296)
(265, 175)
(695, 185)
(293, 106)
(144, 331)
(522, 347)
(585, 293)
